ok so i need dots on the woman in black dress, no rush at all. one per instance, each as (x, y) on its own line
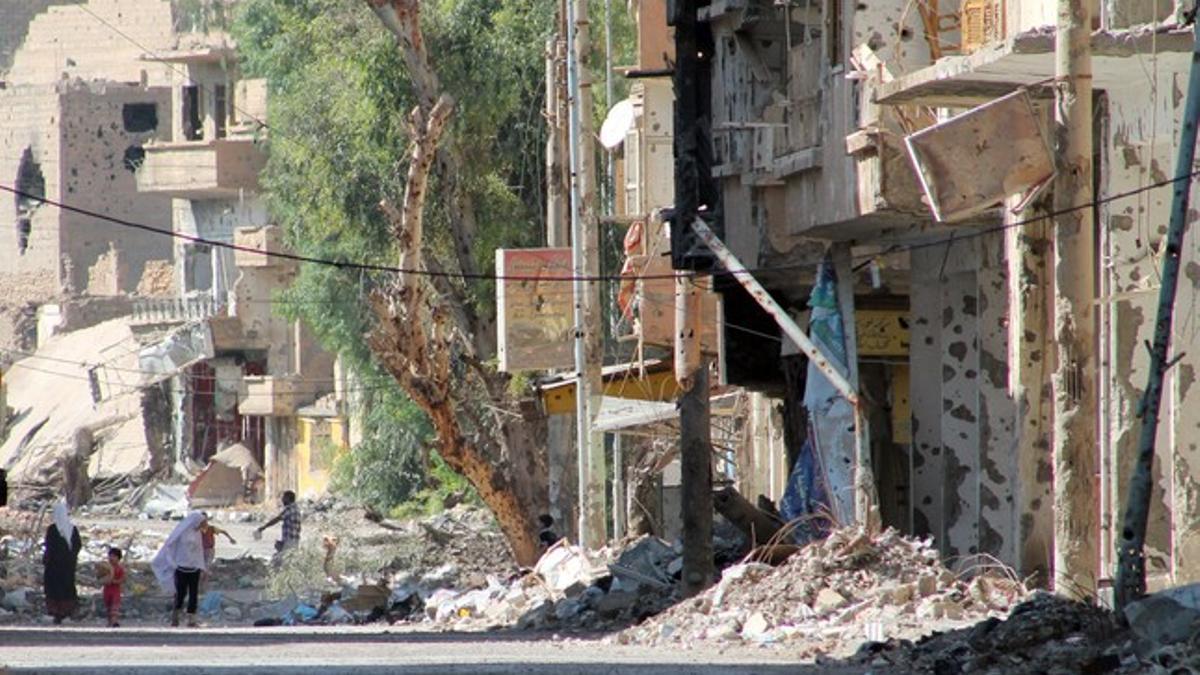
(61, 553)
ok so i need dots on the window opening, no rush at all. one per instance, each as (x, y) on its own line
(220, 109)
(833, 32)
(139, 117)
(193, 121)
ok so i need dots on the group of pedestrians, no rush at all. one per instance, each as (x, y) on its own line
(178, 566)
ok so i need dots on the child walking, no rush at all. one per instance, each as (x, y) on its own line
(113, 578)
(208, 536)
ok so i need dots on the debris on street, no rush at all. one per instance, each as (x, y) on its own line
(834, 594)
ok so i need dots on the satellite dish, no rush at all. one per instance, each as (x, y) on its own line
(616, 124)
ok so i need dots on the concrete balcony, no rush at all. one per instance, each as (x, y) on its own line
(216, 169)
(275, 396)
(195, 307)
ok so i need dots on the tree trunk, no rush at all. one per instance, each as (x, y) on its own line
(434, 341)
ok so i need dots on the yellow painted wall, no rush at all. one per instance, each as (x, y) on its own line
(312, 434)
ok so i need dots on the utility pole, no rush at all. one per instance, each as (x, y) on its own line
(585, 249)
(557, 219)
(1076, 522)
(610, 173)
(693, 188)
(1131, 560)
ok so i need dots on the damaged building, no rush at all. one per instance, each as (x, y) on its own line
(906, 155)
(163, 132)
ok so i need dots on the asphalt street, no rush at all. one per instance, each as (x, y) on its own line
(361, 651)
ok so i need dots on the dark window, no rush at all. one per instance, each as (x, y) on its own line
(833, 31)
(134, 156)
(220, 105)
(193, 120)
(140, 117)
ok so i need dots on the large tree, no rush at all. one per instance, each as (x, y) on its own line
(368, 141)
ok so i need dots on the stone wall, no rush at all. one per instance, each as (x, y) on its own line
(15, 18)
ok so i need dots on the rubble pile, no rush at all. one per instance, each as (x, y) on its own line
(465, 538)
(570, 589)
(833, 595)
(1045, 634)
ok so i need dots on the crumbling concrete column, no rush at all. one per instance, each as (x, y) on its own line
(1076, 519)
(1026, 251)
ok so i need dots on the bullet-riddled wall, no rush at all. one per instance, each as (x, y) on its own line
(967, 487)
(1140, 143)
(104, 127)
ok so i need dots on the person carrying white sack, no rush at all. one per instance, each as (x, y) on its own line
(179, 563)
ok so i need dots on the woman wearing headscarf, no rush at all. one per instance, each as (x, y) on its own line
(178, 565)
(59, 556)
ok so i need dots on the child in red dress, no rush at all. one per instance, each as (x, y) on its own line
(113, 578)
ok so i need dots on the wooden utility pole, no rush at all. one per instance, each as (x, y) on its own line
(1076, 521)
(1131, 559)
(557, 217)
(693, 182)
(586, 270)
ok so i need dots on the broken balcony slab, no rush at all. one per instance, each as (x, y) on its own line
(216, 169)
(1026, 59)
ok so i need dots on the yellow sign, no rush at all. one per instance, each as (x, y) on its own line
(882, 332)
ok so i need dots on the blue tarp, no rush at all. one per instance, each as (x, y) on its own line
(821, 481)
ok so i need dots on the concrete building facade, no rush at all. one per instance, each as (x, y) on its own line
(135, 111)
(811, 110)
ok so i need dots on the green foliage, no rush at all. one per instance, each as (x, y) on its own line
(445, 489)
(302, 569)
(339, 97)
(385, 468)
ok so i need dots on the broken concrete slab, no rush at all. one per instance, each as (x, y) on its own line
(1166, 618)
(78, 396)
(568, 570)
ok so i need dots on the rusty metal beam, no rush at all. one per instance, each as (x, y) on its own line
(789, 327)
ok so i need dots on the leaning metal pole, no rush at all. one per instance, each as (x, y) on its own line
(1131, 560)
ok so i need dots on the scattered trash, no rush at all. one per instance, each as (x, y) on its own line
(166, 502)
(210, 604)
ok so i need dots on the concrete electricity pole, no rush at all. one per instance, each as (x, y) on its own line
(1076, 523)
(694, 189)
(585, 249)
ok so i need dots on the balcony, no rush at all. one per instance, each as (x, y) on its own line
(275, 396)
(999, 67)
(197, 306)
(216, 169)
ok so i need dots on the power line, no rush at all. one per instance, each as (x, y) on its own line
(895, 246)
(128, 388)
(163, 61)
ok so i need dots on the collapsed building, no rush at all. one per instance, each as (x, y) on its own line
(98, 131)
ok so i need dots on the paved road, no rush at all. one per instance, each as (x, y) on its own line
(359, 651)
